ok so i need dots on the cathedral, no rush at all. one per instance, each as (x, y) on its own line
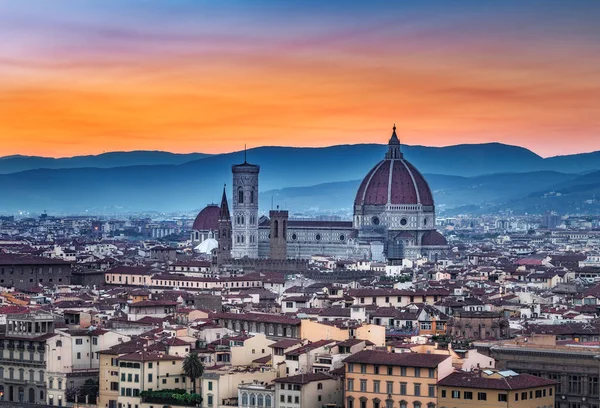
(394, 219)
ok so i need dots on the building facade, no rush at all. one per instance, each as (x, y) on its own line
(377, 379)
(495, 389)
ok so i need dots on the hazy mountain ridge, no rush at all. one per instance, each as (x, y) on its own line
(461, 160)
(289, 175)
(18, 163)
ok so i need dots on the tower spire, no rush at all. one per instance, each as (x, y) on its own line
(394, 146)
(224, 208)
(245, 153)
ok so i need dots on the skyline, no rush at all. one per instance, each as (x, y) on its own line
(187, 76)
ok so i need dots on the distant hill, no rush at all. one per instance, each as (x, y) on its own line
(343, 162)
(458, 175)
(17, 163)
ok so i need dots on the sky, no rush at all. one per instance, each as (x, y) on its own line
(86, 77)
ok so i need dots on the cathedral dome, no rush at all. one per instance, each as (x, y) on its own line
(207, 219)
(394, 181)
(433, 238)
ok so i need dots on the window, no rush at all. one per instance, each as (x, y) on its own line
(240, 196)
(502, 397)
(78, 356)
(297, 399)
(389, 387)
(468, 395)
(402, 388)
(376, 368)
(538, 393)
(523, 396)
(443, 393)
(149, 378)
(319, 386)
(79, 342)
(210, 386)
(114, 386)
(376, 386)
(403, 371)
(390, 370)
(417, 389)
(456, 394)
(95, 341)
(431, 373)
(431, 391)
(482, 396)
(417, 372)
(130, 377)
(350, 367)
(350, 384)
(363, 385)
(363, 368)
(210, 400)
(164, 381)
(575, 384)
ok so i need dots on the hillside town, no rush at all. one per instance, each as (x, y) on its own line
(394, 309)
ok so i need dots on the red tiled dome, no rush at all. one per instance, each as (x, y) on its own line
(433, 238)
(405, 186)
(207, 219)
(394, 181)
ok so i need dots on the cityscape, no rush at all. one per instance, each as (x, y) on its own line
(153, 254)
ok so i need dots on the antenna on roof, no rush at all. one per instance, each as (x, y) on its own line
(245, 153)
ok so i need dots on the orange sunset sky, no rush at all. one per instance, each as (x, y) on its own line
(193, 76)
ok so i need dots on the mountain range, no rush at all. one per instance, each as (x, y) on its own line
(479, 177)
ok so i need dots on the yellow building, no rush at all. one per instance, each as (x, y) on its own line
(501, 389)
(378, 379)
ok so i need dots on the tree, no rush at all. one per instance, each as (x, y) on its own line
(193, 368)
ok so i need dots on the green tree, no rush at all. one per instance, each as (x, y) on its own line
(193, 368)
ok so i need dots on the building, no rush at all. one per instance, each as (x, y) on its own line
(501, 389)
(394, 219)
(23, 358)
(479, 325)
(256, 394)
(219, 384)
(73, 357)
(311, 390)
(225, 231)
(245, 210)
(573, 367)
(28, 271)
(378, 379)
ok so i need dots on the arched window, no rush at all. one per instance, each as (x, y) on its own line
(431, 405)
(242, 219)
(267, 401)
(241, 196)
(252, 400)
(244, 399)
(50, 382)
(416, 404)
(252, 197)
(403, 404)
(389, 403)
(350, 402)
(260, 400)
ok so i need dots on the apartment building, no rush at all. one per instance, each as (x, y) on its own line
(312, 390)
(377, 379)
(495, 389)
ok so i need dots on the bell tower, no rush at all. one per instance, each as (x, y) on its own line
(245, 210)
(278, 240)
